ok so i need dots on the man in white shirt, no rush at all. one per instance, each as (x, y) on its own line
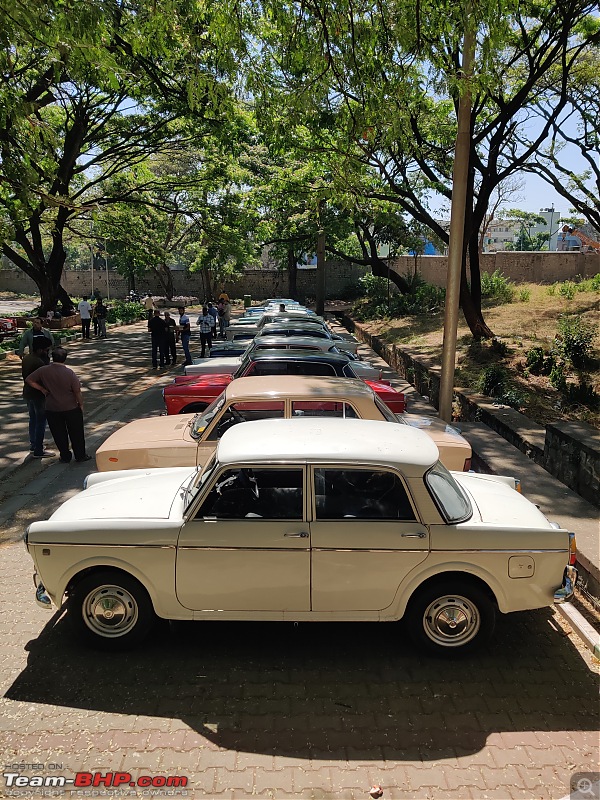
(85, 312)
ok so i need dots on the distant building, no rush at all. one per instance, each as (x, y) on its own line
(498, 234)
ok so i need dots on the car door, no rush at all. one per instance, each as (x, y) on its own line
(246, 547)
(365, 538)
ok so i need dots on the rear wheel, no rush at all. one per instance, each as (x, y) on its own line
(448, 617)
(110, 610)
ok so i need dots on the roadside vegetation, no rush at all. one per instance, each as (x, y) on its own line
(544, 360)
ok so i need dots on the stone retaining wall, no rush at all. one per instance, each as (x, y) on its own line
(570, 451)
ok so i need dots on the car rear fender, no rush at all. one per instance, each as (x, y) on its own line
(431, 570)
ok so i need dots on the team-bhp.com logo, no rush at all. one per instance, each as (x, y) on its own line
(86, 780)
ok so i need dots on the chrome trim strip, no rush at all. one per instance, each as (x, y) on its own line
(504, 550)
(97, 544)
(248, 549)
(365, 550)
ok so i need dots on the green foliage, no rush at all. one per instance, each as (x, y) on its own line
(375, 289)
(524, 295)
(567, 289)
(574, 339)
(499, 347)
(539, 362)
(582, 394)
(492, 380)
(497, 288)
(511, 397)
(551, 290)
(589, 284)
(558, 378)
(125, 311)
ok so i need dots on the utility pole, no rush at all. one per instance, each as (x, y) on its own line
(460, 176)
(320, 288)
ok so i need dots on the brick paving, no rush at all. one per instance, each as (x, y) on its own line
(293, 711)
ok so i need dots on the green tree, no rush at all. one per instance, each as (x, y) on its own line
(526, 238)
(381, 90)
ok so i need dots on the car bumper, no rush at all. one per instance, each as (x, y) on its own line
(567, 590)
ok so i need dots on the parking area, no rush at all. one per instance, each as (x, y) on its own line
(273, 710)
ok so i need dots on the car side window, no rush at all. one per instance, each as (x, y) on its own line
(361, 494)
(323, 408)
(245, 412)
(247, 493)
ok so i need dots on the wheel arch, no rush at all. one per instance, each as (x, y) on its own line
(465, 574)
(81, 571)
(192, 408)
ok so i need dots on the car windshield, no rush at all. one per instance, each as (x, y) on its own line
(201, 421)
(199, 479)
(449, 497)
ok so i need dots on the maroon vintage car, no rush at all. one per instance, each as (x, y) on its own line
(195, 392)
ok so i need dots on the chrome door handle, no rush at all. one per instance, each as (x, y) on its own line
(414, 535)
(296, 535)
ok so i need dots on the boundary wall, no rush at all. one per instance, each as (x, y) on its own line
(340, 279)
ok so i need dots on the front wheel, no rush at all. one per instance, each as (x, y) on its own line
(449, 618)
(110, 610)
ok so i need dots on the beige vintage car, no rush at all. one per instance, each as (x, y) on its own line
(312, 519)
(190, 439)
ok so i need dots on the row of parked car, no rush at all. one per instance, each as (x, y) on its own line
(330, 502)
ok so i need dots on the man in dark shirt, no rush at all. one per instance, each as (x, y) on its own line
(64, 405)
(158, 332)
(36, 402)
(171, 333)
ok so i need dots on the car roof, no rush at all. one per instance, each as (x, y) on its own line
(320, 439)
(303, 355)
(304, 386)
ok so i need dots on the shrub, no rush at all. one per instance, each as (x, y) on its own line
(582, 394)
(524, 295)
(126, 311)
(551, 290)
(512, 398)
(574, 339)
(497, 288)
(557, 378)
(499, 347)
(567, 289)
(539, 361)
(374, 288)
(492, 381)
(590, 284)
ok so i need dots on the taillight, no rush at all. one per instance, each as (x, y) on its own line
(572, 549)
(467, 465)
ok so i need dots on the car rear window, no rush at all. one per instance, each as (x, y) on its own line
(449, 497)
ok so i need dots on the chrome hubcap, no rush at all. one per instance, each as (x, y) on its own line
(110, 611)
(451, 621)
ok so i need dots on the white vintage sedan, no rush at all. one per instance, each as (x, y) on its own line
(305, 520)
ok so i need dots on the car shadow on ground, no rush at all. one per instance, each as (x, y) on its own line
(355, 691)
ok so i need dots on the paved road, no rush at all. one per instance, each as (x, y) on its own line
(275, 710)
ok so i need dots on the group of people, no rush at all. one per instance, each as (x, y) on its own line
(165, 332)
(52, 392)
(95, 314)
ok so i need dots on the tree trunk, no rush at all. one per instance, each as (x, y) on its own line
(165, 278)
(382, 270)
(292, 264)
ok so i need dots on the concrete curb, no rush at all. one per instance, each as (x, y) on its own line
(588, 635)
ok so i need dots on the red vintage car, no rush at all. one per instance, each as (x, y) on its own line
(192, 393)
(8, 327)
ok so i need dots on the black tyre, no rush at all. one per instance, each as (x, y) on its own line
(445, 618)
(110, 610)
(193, 408)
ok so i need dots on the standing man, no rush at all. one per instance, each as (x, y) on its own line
(85, 312)
(224, 311)
(35, 330)
(185, 332)
(36, 402)
(205, 321)
(214, 314)
(158, 332)
(64, 405)
(150, 307)
(100, 314)
(171, 330)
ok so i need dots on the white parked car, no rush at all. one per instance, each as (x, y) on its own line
(306, 519)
